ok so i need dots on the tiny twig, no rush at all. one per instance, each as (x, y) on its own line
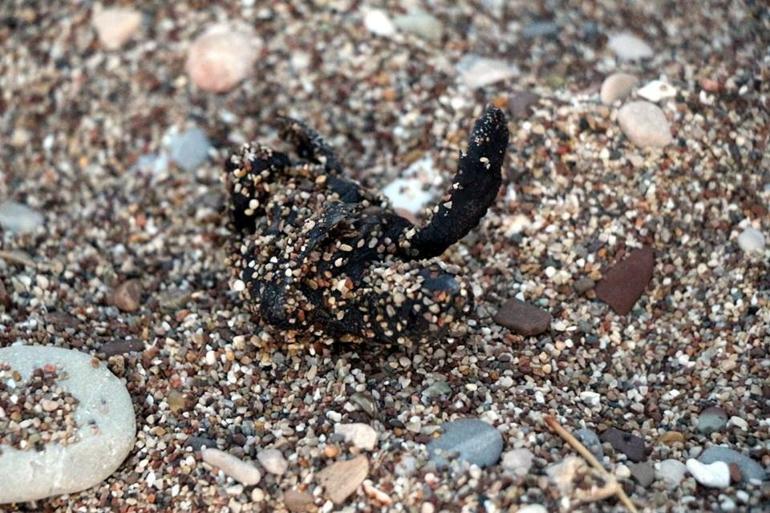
(554, 426)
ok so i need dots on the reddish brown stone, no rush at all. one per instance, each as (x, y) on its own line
(523, 318)
(625, 282)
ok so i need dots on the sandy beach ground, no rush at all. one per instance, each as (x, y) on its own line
(111, 153)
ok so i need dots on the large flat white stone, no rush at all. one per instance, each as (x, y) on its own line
(106, 426)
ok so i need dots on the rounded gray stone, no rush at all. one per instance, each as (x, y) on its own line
(472, 440)
(19, 218)
(189, 149)
(750, 469)
(106, 426)
(711, 419)
(590, 439)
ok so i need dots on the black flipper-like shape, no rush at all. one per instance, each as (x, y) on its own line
(309, 145)
(473, 190)
(247, 194)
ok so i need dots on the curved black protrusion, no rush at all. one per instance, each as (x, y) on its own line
(309, 145)
(473, 190)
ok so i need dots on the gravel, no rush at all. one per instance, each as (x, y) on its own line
(578, 196)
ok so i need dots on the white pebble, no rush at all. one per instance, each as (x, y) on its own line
(657, 90)
(115, 26)
(240, 470)
(644, 124)
(476, 71)
(518, 461)
(360, 435)
(671, 472)
(626, 46)
(532, 508)
(378, 22)
(105, 433)
(713, 475)
(273, 461)
(590, 398)
(751, 239)
(616, 87)
(738, 422)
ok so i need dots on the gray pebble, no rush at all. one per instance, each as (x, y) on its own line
(711, 419)
(18, 218)
(473, 440)
(750, 469)
(189, 149)
(590, 439)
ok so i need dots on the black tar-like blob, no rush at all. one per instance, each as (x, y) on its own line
(316, 254)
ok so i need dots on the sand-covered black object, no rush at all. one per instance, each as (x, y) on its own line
(316, 253)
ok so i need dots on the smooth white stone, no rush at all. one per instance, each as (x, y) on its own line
(106, 428)
(713, 475)
(751, 239)
(657, 90)
(360, 435)
(626, 46)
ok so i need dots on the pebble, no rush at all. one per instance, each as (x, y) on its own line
(590, 398)
(750, 240)
(59, 469)
(657, 90)
(473, 440)
(671, 472)
(378, 22)
(523, 318)
(518, 461)
(522, 103)
(421, 24)
(189, 149)
(583, 285)
(750, 469)
(342, 478)
(671, 437)
(738, 422)
(366, 402)
(626, 281)
(199, 442)
(414, 189)
(712, 475)
(711, 419)
(540, 29)
(563, 474)
(616, 87)
(298, 502)
(630, 445)
(242, 471)
(127, 296)
(360, 435)
(643, 472)
(590, 439)
(116, 26)
(476, 71)
(273, 461)
(532, 508)
(627, 46)
(437, 389)
(644, 124)
(222, 56)
(18, 218)
(176, 401)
